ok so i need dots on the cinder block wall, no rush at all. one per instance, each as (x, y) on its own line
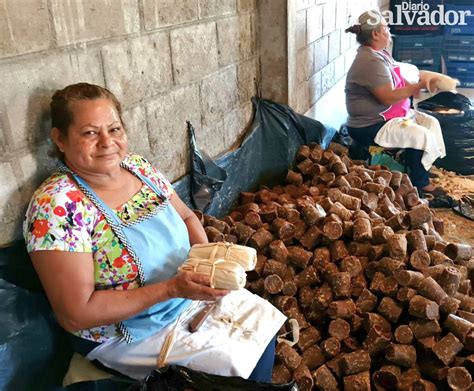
(168, 61)
(324, 52)
(305, 53)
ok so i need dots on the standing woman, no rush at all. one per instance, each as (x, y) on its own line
(378, 104)
(106, 234)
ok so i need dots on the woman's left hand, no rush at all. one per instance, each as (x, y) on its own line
(193, 286)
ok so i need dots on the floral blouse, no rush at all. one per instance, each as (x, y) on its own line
(61, 218)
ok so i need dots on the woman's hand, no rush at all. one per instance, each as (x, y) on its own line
(387, 95)
(416, 88)
(193, 286)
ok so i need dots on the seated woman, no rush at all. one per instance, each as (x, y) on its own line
(106, 234)
(377, 100)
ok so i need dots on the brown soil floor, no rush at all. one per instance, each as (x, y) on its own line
(457, 229)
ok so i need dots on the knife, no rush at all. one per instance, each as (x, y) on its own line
(200, 317)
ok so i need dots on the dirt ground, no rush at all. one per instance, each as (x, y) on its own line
(456, 228)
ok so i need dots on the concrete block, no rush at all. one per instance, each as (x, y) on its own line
(3, 121)
(36, 166)
(315, 88)
(302, 100)
(300, 29)
(236, 38)
(24, 32)
(162, 13)
(194, 52)
(302, 4)
(32, 169)
(334, 44)
(246, 5)
(247, 71)
(333, 99)
(355, 8)
(273, 48)
(210, 138)
(166, 116)
(305, 63)
(321, 53)
(327, 77)
(341, 14)
(339, 67)
(26, 92)
(11, 206)
(139, 67)
(329, 17)
(212, 8)
(345, 41)
(234, 125)
(218, 95)
(134, 119)
(80, 21)
(314, 23)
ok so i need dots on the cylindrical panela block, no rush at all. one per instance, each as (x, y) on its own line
(404, 355)
(377, 340)
(344, 309)
(460, 327)
(287, 355)
(331, 347)
(355, 362)
(362, 230)
(423, 308)
(459, 378)
(324, 379)
(366, 302)
(397, 246)
(357, 382)
(420, 260)
(403, 335)
(430, 289)
(299, 256)
(423, 328)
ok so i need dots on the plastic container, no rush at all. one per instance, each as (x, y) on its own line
(458, 48)
(463, 71)
(420, 50)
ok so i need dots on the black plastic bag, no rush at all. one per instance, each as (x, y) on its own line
(177, 378)
(447, 100)
(263, 158)
(206, 176)
(458, 130)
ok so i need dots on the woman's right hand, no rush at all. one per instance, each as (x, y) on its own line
(193, 286)
(416, 88)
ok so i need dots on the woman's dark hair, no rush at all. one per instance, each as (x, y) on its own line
(368, 21)
(61, 113)
(363, 36)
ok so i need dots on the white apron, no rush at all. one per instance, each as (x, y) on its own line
(229, 342)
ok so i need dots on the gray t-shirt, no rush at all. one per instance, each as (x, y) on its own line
(370, 69)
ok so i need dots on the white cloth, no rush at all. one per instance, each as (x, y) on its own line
(229, 342)
(418, 131)
(410, 72)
